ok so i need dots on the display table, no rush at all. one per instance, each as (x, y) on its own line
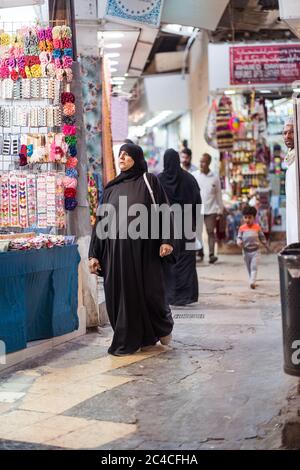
(38, 295)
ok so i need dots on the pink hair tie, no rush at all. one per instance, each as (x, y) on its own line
(19, 51)
(72, 162)
(67, 43)
(70, 182)
(69, 130)
(48, 34)
(57, 43)
(4, 71)
(69, 109)
(67, 62)
(58, 64)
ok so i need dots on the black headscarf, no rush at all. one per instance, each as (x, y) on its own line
(137, 170)
(181, 187)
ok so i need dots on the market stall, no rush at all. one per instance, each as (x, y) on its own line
(251, 99)
(38, 183)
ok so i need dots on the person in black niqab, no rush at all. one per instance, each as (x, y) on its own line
(132, 268)
(181, 188)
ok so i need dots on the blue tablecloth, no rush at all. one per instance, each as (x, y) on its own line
(38, 295)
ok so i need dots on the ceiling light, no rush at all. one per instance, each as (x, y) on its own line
(157, 119)
(111, 34)
(113, 45)
(113, 69)
(120, 79)
(112, 55)
(229, 92)
(113, 62)
(296, 90)
(265, 91)
(126, 75)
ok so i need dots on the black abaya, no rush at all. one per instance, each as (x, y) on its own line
(181, 188)
(133, 274)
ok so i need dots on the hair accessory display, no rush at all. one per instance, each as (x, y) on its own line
(71, 139)
(70, 203)
(13, 201)
(72, 172)
(69, 109)
(69, 130)
(23, 203)
(70, 192)
(70, 182)
(35, 70)
(67, 98)
(31, 198)
(4, 201)
(23, 155)
(72, 162)
(70, 120)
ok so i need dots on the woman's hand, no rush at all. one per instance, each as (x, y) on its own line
(165, 250)
(94, 265)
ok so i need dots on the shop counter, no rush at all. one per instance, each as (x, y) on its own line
(38, 295)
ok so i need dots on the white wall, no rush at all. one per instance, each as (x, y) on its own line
(167, 92)
(199, 100)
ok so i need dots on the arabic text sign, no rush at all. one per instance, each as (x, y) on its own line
(264, 64)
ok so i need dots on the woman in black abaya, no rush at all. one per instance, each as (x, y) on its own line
(181, 188)
(132, 268)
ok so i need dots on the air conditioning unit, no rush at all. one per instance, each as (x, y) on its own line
(290, 13)
(20, 3)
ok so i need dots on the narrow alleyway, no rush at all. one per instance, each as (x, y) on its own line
(220, 386)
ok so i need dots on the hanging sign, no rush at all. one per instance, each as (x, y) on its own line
(264, 64)
(144, 12)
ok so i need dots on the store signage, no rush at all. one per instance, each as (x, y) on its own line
(264, 64)
(145, 12)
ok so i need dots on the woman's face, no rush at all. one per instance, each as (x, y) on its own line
(125, 161)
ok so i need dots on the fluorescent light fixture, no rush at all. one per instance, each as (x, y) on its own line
(296, 90)
(113, 62)
(157, 119)
(178, 29)
(265, 91)
(113, 69)
(136, 131)
(229, 92)
(126, 75)
(112, 45)
(112, 34)
(119, 79)
(112, 55)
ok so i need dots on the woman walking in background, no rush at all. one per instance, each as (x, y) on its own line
(181, 188)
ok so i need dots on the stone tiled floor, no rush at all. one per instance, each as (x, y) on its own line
(220, 385)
